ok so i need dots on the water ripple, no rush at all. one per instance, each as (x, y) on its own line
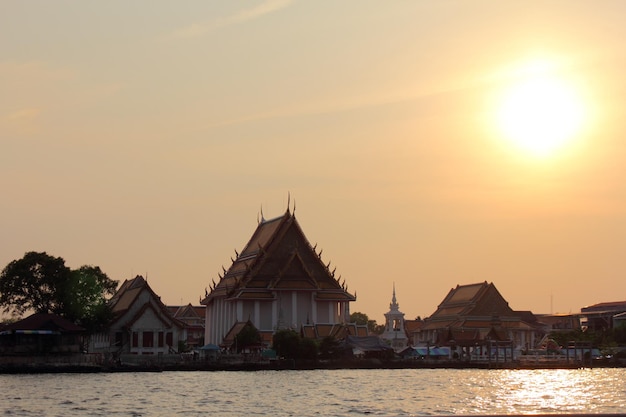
(410, 392)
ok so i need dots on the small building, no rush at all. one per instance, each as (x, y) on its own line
(278, 281)
(336, 331)
(41, 334)
(619, 320)
(367, 347)
(193, 317)
(600, 316)
(558, 323)
(476, 316)
(395, 334)
(142, 324)
(412, 329)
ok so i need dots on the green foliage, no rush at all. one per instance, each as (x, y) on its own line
(606, 340)
(362, 319)
(85, 300)
(375, 328)
(330, 348)
(307, 349)
(286, 343)
(42, 283)
(36, 282)
(248, 336)
(359, 318)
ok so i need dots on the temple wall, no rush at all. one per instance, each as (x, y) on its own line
(265, 321)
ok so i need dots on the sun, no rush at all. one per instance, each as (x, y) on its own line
(540, 113)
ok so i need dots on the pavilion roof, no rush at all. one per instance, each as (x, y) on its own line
(44, 321)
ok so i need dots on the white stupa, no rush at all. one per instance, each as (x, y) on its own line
(394, 334)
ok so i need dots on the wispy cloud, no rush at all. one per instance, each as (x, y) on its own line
(22, 121)
(245, 15)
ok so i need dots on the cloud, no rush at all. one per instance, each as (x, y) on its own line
(22, 121)
(199, 29)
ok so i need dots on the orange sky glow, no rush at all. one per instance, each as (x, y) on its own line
(426, 144)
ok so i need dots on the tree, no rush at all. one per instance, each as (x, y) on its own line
(85, 300)
(308, 349)
(35, 283)
(362, 319)
(330, 348)
(248, 336)
(359, 318)
(286, 343)
(42, 283)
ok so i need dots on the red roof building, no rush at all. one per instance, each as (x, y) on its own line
(474, 314)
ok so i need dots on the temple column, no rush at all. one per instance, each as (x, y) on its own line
(275, 313)
(313, 308)
(257, 314)
(294, 308)
(239, 310)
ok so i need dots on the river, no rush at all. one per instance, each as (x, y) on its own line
(397, 392)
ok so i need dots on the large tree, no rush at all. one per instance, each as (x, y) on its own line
(42, 283)
(32, 283)
(86, 300)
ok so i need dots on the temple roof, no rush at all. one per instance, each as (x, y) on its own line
(44, 321)
(473, 306)
(278, 257)
(128, 294)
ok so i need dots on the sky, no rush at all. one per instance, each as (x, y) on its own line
(146, 137)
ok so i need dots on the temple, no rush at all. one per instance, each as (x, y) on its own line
(278, 281)
(394, 333)
(477, 315)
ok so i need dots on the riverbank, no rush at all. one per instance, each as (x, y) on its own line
(195, 366)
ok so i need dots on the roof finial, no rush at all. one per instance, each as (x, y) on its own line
(394, 303)
(288, 200)
(262, 217)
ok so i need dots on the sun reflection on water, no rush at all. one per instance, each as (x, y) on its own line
(540, 391)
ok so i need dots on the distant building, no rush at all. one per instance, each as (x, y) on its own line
(619, 320)
(336, 331)
(395, 334)
(142, 324)
(193, 317)
(600, 316)
(277, 281)
(477, 315)
(41, 334)
(559, 323)
(412, 329)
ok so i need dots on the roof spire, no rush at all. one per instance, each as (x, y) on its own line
(394, 304)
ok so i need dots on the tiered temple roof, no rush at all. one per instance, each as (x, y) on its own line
(468, 311)
(278, 257)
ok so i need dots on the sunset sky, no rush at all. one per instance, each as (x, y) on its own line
(425, 143)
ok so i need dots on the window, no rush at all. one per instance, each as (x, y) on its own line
(148, 339)
(135, 339)
(169, 339)
(160, 340)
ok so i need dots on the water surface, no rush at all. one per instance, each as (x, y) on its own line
(397, 392)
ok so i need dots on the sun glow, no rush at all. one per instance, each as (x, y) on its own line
(540, 112)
